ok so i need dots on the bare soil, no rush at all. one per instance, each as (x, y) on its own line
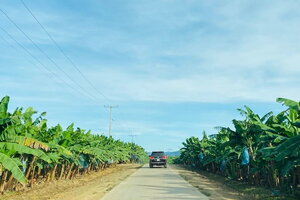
(211, 188)
(86, 187)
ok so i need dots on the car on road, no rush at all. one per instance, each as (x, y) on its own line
(158, 158)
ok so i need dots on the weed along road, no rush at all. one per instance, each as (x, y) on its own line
(154, 183)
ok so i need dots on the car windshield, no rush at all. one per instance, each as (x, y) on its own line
(157, 153)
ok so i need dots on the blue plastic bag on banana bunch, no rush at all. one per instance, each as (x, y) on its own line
(201, 157)
(245, 156)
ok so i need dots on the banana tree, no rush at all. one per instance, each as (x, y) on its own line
(30, 151)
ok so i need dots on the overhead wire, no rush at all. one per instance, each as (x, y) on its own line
(17, 50)
(48, 57)
(37, 60)
(41, 68)
(52, 61)
(63, 53)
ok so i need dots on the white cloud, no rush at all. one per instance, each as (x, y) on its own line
(236, 85)
(154, 52)
(228, 52)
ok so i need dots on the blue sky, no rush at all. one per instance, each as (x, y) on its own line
(175, 68)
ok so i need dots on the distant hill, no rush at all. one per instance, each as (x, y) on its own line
(173, 153)
(169, 153)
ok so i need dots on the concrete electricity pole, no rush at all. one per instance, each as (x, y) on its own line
(132, 137)
(110, 117)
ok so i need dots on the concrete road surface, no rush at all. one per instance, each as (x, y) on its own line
(154, 183)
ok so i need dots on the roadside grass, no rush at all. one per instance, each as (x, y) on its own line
(205, 192)
(250, 192)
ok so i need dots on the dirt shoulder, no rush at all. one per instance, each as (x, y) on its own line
(211, 188)
(88, 187)
(217, 187)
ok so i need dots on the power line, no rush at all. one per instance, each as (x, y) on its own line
(17, 50)
(63, 52)
(42, 69)
(36, 59)
(47, 56)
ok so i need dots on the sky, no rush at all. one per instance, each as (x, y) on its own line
(174, 68)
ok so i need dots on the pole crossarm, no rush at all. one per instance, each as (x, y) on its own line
(110, 107)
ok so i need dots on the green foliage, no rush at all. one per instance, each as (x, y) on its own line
(172, 159)
(273, 143)
(11, 165)
(28, 146)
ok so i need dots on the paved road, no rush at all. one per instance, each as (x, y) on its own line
(154, 183)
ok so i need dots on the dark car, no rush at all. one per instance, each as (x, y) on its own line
(158, 158)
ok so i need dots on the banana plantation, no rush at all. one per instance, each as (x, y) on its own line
(261, 150)
(31, 152)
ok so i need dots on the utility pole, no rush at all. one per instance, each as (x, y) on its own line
(110, 117)
(132, 137)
